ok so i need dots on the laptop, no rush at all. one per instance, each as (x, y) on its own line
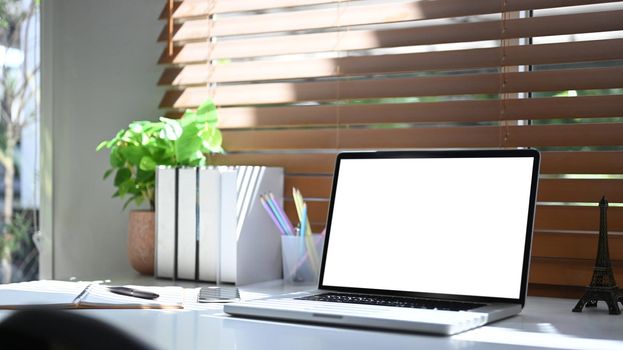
(420, 241)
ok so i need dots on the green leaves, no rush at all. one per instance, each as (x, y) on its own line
(101, 145)
(147, 164)
(132, 153)
(135, 152)
(116, 159)
(107, 173)
(172, 129)
(211, 140)
(206, 113)
(187, 145)
(123, 175)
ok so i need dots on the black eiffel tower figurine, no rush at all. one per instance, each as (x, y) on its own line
(602, 287)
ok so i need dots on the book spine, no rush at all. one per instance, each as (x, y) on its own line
(209, 222)
(165, 222)
(229, 222)
(187, 223)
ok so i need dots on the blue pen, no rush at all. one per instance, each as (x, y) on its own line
(302, 230)
(304, 220)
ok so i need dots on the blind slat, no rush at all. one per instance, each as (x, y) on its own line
(198, 8)
(552, 162)
(310, 186)
(293, 163)
(560, 218)
(598, 50)
(550, 218)
(316, 211)
(574, 245)
(587, 162)
(566, 272)
(605, 134)
(195, 29)
(580, 190)
(576, 218)
(550, 190)
(448, 111)
(370, 39)
(194, 8)
(567, 135)
(552, 80)
(351, 13)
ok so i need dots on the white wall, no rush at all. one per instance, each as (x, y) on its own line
(99, 73)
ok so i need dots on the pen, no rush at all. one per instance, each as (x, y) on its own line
(273, 207)
(304, 219)
(82, 294)
(302, 230)
(298, 203)
(131, 292)
(282, 213)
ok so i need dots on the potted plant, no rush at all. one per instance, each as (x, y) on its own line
(136, 151)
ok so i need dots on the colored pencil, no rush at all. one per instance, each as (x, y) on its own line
(272, 215)
(298, 203)
(282, 213)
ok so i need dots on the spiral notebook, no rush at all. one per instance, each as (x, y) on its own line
(83, 295)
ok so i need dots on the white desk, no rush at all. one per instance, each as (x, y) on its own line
(545, 323)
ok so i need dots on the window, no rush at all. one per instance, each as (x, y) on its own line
(19, 58)
(297, 81)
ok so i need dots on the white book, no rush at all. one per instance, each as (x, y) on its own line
(237, 241)
(209, 222)
(165, 222)
(186, 223)
(229, 221)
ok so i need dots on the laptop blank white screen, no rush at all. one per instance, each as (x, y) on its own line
(430, 225)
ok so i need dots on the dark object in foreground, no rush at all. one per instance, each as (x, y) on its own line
(131, 292)
(56, 329)
(603, 286)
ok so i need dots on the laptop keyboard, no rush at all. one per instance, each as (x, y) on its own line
(415, 303)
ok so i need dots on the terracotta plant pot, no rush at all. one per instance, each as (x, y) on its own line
(141, 241)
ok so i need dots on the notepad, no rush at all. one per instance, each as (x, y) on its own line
(83, 295)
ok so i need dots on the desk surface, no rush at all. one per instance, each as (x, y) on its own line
(545, 323)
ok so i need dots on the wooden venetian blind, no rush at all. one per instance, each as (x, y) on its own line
(296, 81)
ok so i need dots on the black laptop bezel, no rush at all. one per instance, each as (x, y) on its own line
(531, 153)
